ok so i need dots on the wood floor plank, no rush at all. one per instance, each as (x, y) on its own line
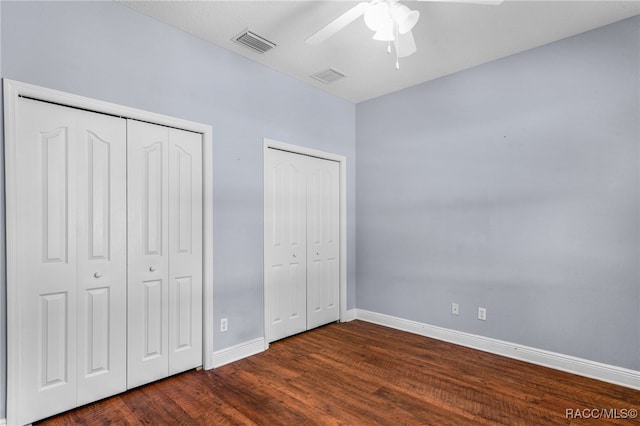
(359, 373)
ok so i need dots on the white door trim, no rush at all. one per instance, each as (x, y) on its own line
(272, 144)
(14, 90)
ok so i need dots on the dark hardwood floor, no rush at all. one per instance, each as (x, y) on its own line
(363, 374)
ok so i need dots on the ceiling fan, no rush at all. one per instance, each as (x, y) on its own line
(388, 19)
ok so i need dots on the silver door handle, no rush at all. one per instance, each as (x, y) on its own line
(317, 253)
(152, 268)
(97, 275)
(294, 255)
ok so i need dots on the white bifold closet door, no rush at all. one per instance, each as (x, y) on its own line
(302, 243)
(108, 262)
(71, 257)
(165, 251)
(323, 249)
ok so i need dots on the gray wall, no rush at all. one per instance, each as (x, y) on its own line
(513, 186)
(109, 52)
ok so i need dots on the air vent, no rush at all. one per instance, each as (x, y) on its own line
(254, 42)
(328, 76)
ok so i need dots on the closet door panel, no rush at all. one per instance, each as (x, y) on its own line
(285, 244)
(45, 256)
(102, 277)
(323, 251)
(104, 256)
(148, 272)
(185, 250)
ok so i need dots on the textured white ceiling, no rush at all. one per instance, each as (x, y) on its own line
(450, 36)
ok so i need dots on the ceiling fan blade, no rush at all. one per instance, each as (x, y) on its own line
(406, 45)
(486, 2)
(339, 23)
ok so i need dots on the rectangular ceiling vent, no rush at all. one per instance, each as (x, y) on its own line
(329, 76)
(254, 42)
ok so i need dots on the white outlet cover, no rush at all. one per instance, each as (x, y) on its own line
(482, 314)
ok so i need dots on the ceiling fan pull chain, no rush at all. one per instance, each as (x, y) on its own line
(397, 45)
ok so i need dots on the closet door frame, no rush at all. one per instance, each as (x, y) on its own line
(295, 149)
(13, 90)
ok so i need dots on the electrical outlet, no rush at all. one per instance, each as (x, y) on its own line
(224, 324)
(482, 314)
(455, 309)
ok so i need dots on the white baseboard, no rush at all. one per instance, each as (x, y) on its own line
(3, 422)
(237, 352)
(595, 370)
(349, 315)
